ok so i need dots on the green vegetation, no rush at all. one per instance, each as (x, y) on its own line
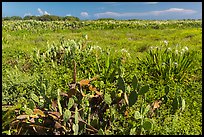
(102, 77)
(42, 18)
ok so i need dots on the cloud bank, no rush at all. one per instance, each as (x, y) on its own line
(174, 10)
(43, 12)
(84, 14)
(150, 13)
(27, 14)
(151, 2)
(68, 14)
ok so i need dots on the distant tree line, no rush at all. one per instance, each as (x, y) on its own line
(106, 19)
(43, 18)
(48, 18)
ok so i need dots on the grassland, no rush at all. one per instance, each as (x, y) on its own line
(147, 77)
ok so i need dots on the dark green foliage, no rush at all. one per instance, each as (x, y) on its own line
(121, 84)
(143, 90)
(70, 18)
(106, 19)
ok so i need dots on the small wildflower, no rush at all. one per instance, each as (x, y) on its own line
(169, 49)
(44, 56)
(128, 54)
(98, 47)
(123, 50)
(61, 48)
(186, 48)
(176, 51)
(183, 50)
(91, 49)
(95, 48)
(175, 64)
(166, 42)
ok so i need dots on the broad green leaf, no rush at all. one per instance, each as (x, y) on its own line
(143, 90)
(28, 111)
(34, 97)
(41, 104)
(134, 83)
(147, 125)
(128, 89)
(70, 103)
(121, 84)
(100, 132)
(132, 98)
(94, 122)
(44, 87)
(67, 115)
(137, 115)
(107, 98)
(22, 100)
(31, 104)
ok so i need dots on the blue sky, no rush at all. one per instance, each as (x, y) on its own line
(117, 10)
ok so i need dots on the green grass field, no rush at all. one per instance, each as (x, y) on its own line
(102, 77)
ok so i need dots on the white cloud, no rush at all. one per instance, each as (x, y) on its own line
(151, 2)
(43, 12)
(46, 13)
(174, 10)
(68, 15)
(108, 14)
(84, 14)
(40, 11)
(134, 14)
(27, 14)
(116, 14)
